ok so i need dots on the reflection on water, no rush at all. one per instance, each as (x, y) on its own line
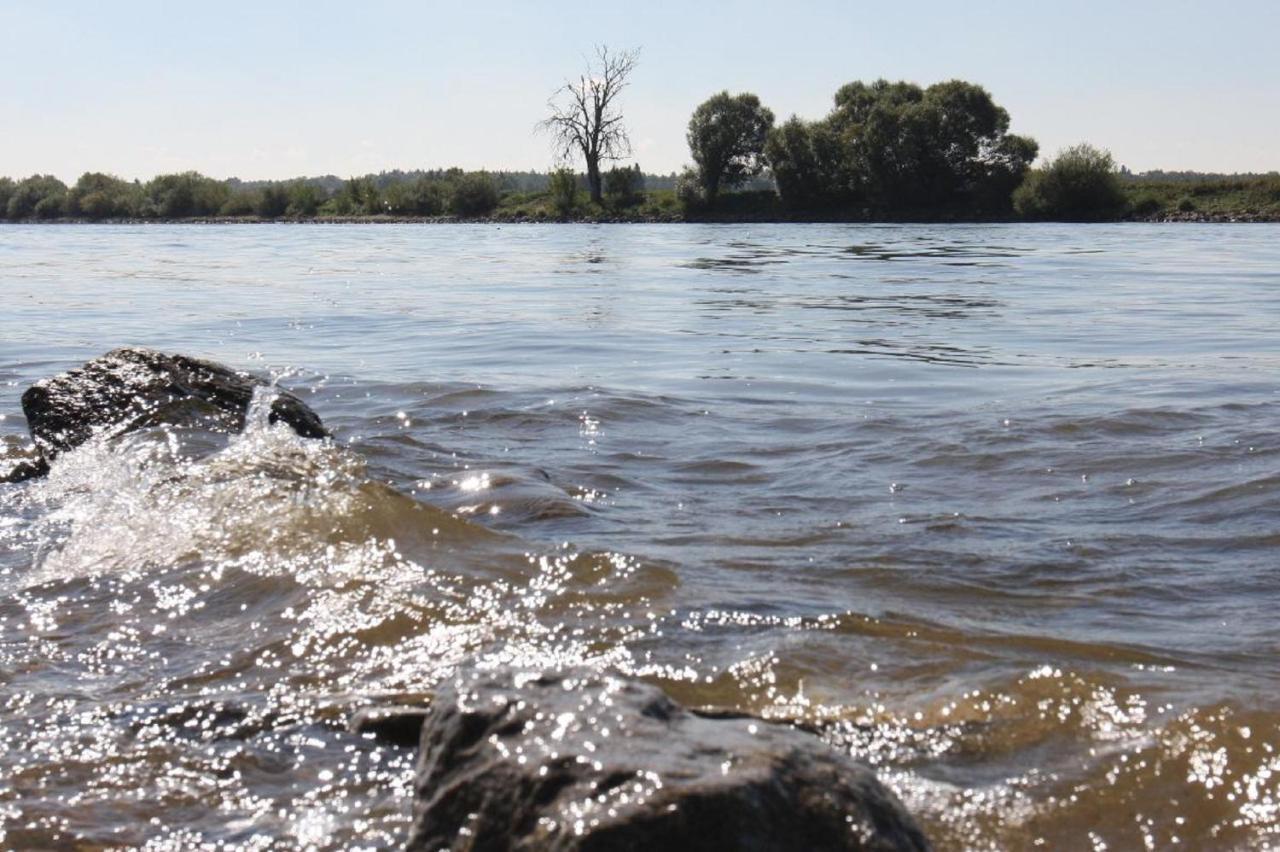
(991, 508)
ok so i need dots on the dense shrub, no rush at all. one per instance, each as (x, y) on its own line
(359, 196)
(187, 194)
(101, 196)
(624, 186)
(562, 186)
(689, 191)
(7, 187)
(424, 196)
(1145, 205)
(304, 198)
(1186, 204)
(39, 197)
(473, 194)
(242, 202)
(272, 201)
(1080, 184)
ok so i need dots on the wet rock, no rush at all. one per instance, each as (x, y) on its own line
(396, 725)
(584, 761)
(133, 388)
(23, 470)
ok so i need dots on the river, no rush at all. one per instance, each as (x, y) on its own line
(996, 507)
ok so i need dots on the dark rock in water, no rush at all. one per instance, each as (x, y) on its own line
(133, 388)
(24, 470)
(396, 725)
(583, 761)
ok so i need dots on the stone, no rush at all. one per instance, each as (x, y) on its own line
(23, 470)
(133, 388)
(580, 760)
(397, 725)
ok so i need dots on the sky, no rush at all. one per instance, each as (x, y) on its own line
(275, 90)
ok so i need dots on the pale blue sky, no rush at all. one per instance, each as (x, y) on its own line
(274, 90)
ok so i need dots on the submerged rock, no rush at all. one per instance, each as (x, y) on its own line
(584, 761)
(23, 470)
(399, 725)
(132, 388)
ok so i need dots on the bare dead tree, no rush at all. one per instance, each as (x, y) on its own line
(584, 116)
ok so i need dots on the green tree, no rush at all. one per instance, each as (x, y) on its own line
(1003, 168)
(39, 197)
(1081, 183)
(562, 186)
(727, 136)
(947, 145)
(807, 165)
(585, 119)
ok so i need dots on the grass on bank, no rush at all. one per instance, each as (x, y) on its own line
(1210, 197)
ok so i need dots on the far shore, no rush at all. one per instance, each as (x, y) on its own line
(674, 218)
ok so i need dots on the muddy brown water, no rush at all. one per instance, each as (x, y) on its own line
(997, 508)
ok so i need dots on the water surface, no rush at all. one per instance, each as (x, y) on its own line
(995, 505)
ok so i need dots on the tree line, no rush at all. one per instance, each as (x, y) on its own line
(445, 192)
(885, 150)
(184, 195)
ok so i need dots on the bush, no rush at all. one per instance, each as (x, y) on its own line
(241, 203)
(99, 196)
(7, 187)
(563, 189)
(51, 206)
(1081, 184)
(304, 198)
(272, 201)
(39, 196)
(473, 194)
(424, 196)
(359, 196)
(1146, 205)
(689, 189)
(1186, 204)
(178, 196)
(624, 186)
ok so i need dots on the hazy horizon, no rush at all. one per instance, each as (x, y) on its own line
(288, 90)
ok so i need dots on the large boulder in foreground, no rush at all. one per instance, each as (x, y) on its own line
(584, 761)
(132, 388)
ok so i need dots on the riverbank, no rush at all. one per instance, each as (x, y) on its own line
(1163, 217)
(1216, 201)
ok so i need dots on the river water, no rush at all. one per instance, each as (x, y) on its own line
(996, 507)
